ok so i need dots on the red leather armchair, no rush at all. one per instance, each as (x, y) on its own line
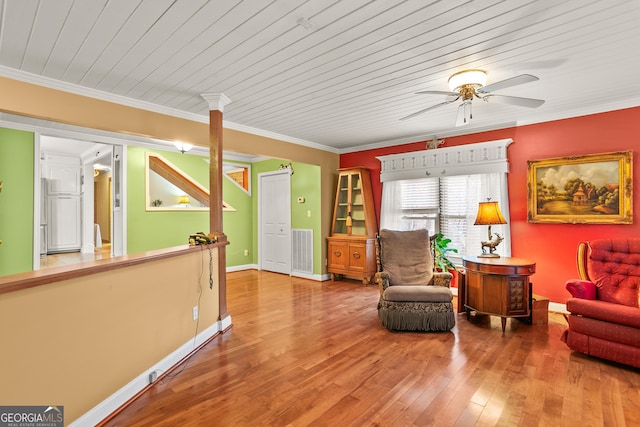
(604, 319)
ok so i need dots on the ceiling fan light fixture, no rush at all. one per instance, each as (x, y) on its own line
(475, 78)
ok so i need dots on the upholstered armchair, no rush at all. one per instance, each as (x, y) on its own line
(604, 319)
(412, 296)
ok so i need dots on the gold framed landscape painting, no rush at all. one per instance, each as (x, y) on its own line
(589, 189)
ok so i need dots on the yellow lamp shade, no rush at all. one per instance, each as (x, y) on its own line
(489, 213)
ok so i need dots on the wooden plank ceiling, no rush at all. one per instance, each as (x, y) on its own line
(335, 73)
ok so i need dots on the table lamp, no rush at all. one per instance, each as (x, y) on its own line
(488, 214)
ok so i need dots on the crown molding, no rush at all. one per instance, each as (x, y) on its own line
(50, 83)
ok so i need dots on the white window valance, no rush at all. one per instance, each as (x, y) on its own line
(468, 159)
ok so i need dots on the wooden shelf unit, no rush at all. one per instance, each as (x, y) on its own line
(351, 247)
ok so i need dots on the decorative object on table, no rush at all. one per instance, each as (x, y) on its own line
(489, 214)
(184, 201)
(589, 189)
(201, 238)
(604, 319)
(156, 203)
(413, 297)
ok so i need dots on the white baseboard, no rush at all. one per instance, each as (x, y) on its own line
(120, 397)
(316, 277)
(556, 307)
(242, 267)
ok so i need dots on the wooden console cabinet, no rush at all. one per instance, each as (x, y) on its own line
(351, 246)
(498, 286)
(352, 257)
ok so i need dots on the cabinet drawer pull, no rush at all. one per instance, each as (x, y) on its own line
(337, 254)
(356, 255)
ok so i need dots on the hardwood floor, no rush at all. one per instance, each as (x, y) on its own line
(308, 353)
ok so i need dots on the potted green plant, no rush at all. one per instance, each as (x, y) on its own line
(440, 246)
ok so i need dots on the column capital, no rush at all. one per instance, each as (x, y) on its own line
(216, 101)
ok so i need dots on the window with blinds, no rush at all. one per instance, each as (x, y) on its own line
(420, 204)
(458, 208)
(444, 205)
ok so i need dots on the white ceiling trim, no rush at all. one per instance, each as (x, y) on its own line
(130, 102)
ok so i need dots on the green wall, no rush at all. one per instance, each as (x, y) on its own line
(16, 201)
(305, 182)
(155, 229)
(147, 230)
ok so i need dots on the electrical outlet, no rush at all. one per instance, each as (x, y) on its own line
(246, 252)
(195, 312)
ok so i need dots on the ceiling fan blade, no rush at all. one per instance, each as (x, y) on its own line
(513, 81)
(417, 113)
(437, 92)
(514, 100)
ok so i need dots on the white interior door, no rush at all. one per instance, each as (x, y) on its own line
(274, 207)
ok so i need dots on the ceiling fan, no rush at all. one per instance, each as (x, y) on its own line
(469, 84)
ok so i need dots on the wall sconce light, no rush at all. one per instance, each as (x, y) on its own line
(488, 214)
(182, 147)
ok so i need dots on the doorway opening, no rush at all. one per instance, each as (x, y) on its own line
(78, 216)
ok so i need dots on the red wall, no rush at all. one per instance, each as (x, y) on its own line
(552, 246)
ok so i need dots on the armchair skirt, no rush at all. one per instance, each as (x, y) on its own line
(416, 308)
